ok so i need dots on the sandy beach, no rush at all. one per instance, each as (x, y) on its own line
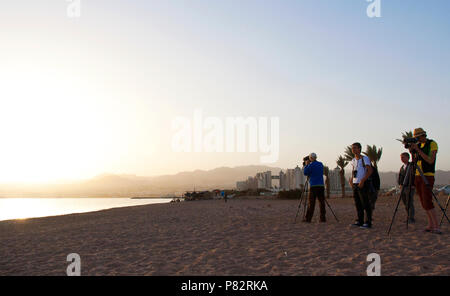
(240, 237)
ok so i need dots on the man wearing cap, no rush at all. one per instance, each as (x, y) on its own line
(314, 170)
(426, 151)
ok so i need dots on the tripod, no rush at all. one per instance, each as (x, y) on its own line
(407, 184)
(410, 173)
(303, 199)
(446, 207)
(326, 202)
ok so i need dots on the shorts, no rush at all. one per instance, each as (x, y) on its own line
(425, 194)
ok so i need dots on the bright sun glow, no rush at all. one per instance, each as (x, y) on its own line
(50, 129)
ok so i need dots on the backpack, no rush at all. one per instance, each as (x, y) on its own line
(374, 178)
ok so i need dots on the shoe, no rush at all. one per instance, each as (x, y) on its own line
(436, 231)
(356, 224)
(366, 226)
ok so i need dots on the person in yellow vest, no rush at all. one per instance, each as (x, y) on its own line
(426, 150)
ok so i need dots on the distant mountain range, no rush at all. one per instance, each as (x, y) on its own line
(109, 185)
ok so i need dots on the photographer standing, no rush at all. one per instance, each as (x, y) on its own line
(360, 183)
(407, 197)
(314, 170)
(426, 151)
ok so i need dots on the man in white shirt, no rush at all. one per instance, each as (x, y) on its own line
(360, 183)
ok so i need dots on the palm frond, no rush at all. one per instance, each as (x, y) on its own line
(374, 154)
(348, 153)
(341, 162)
(406, 135)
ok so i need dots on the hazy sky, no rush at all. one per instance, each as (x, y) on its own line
(98, 94)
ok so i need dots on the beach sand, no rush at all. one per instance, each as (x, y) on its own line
(241, 237)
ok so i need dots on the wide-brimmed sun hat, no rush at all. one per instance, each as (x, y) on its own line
(419, 132)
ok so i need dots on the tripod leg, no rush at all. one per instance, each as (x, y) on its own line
(406, 183)
(410, 181)
(408, 206)
(446, 207)
(442, 209)
(331, 210)
(305, 201)
(302, 196)
(398, 202)
(299, 206)
(395, 212)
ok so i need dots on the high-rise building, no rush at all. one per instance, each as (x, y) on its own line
(335, 179)
(283, 181)
(268, 179)
(291, 180)
(260, 180)
(252, 183)
(241, 185)
(299, 178)
(290, 177)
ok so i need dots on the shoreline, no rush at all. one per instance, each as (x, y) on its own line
(81, 197)
(51, 207)
(22, 220)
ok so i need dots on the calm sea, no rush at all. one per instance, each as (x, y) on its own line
(22, 208)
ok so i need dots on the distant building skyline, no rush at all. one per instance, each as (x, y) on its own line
(291, 180)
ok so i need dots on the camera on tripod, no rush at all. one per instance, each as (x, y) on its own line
(305, 159)
(408, 141)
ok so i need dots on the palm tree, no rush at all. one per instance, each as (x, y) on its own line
(374, 154)
(342, 163)
(326, 172)
(348, 153)
(407, 135)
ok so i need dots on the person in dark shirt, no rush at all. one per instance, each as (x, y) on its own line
(407, 197)
(314, 170)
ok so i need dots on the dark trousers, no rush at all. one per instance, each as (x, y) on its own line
(362, 203)
(408, 201)
(319, 193)
(373, 199)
